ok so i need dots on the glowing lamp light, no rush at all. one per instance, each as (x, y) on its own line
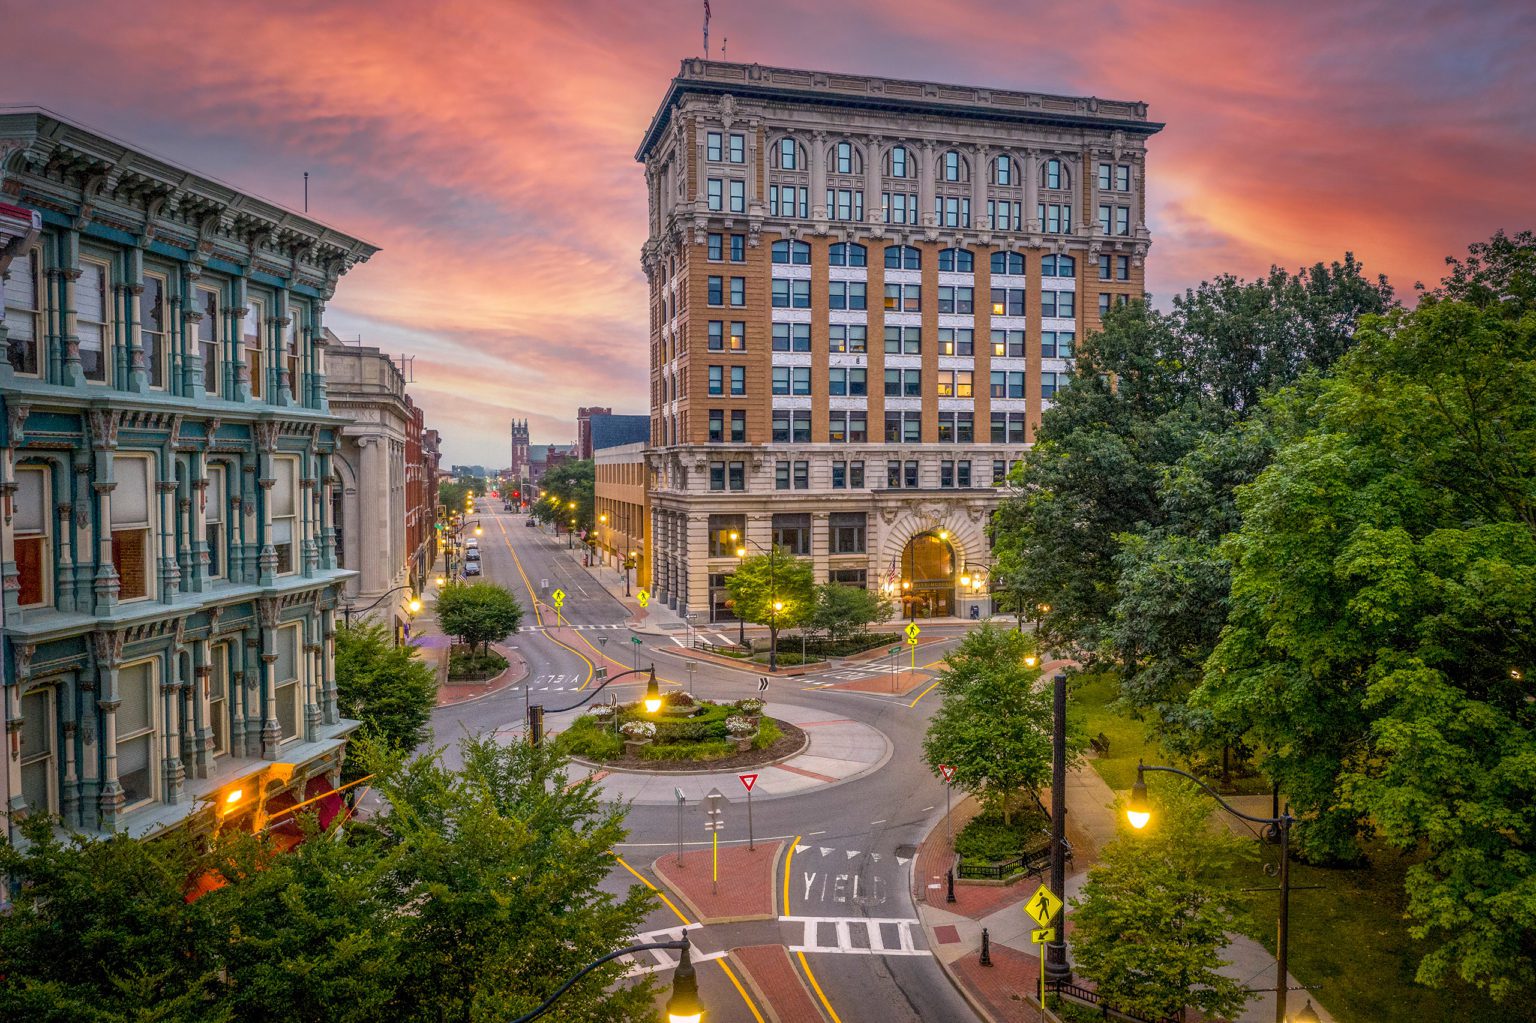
(1307, 1014)
(1137, 811)
(441, 581)
(414, 605)
(652, 695)
(603, 517)
(1030, 660)
(778, 605)
(684, 1005)
(233, 797)
(906, 584)
(965, 580)
(741, 552)
(943, 534)
(479, 530)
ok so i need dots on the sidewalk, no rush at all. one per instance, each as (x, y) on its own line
(954, 929)
(655, 619)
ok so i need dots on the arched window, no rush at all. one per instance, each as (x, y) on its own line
(844, 158)
(798, 253)
(1007, 264)
(952, 167)
(1058, 266)
(898, 163)
(788, 155)
(903, 257)
(957, 261)
(848, 254)
(1005, 172)
(1054, 174)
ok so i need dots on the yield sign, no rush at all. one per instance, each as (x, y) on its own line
(748, 780)
(949, 772)
(1043, 906)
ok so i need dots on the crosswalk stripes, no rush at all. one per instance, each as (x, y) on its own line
(664, 958)
(857, 935)
(579, 628)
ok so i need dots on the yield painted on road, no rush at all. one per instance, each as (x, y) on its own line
(857, 935)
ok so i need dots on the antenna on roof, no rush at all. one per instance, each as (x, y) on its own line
(724, 42)
(306, 191)
(408, 368)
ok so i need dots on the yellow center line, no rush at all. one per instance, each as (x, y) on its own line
(518, 563)
(686, 922)
(788, 858)
(925, 692)
(817, 987)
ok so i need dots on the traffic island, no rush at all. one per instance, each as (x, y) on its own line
(744, 890)
(681, 734)
(771, 974)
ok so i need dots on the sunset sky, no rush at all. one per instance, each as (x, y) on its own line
(488, 146)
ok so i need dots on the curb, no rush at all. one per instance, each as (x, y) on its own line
(773, 896)
(629, 770)
(736, 665)
(757, 990)
(493, 686)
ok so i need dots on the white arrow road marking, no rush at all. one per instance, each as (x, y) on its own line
(663, 959)
(852, 853)
(825, 851)
(901, 861)
(875, 857)
(801, 848)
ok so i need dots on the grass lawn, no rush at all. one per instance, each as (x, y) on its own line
(1349, 941)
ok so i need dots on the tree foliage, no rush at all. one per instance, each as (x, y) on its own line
(568, 482)
(471, 897)
(779, 576)
(386, 687)
(994, 725)
(1150, 925)
(840, 612)
(478, 613)
(1383, 621)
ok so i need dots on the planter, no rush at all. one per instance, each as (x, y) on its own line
(744, 742)
(632, 747)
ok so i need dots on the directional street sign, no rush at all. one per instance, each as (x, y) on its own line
(558, 597)
(912, 630)
(748, 780)
(643, 597)
(893, 651)
(762, 683)
(948, 772)
(714, 808)
(635, 640)
(1042, 935)
(1043, 906)
(543, 584)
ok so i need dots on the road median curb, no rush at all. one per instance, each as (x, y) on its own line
(760, 906)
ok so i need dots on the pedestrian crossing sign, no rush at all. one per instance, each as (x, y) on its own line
(558, 597)
(1043, 906)
(912, 630)
(643, 597)
(1042, 935)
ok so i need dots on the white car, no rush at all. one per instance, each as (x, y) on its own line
(472, 543)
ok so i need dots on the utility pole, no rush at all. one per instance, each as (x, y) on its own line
(1056, 968)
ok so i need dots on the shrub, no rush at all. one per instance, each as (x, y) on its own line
(590, 738)
(678, 698)
(751, 705)
(715, 749)
(986, 837)
(768, 733)
(467, 664)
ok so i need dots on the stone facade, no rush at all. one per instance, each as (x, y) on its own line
(169, 568)
(863, 293)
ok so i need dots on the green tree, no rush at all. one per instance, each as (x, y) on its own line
(1150, 924)
(994, 725)
(478, 613)
(566, 484)
(1383, 623)
(840, 612)
(451, 496)
(776, 578)
(386, 687)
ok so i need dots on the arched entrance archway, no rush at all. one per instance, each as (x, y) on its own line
(928, 576)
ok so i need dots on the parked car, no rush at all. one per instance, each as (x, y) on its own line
(471, 568)
(472, 554)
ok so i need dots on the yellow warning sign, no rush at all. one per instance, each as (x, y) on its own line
(1043, 906)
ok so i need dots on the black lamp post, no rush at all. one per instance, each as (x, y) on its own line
(1139, 812)
(684, 1005)
(1056, 968)
(347, 609)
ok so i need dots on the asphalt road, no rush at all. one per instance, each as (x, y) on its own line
(855, 840)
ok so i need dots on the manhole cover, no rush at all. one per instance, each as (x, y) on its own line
(908, 850)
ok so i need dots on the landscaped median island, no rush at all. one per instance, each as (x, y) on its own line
(684, 734)
(992, 849)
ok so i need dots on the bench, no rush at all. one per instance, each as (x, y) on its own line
(1099, 744)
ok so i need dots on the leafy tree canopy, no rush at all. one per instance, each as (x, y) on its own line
(566, 483)
(386, 687)
(840, 612)
(764, 579)
(478, 613)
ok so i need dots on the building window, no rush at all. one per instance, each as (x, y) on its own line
(789, 201)
(947, 474)
(254, 351)
(903, 340)
(716, 340)
(736, 473)
(214, 497)
(957, 341)
(716, 380)
(1105, 263)
(91, 320)
(791, 294)
(725, 533)
(898, 165)
(131, 503)
(31, 515)
(847, 338)
(848, 426)
(903, 257)
(39, 772)
(1104, 299)
(714, 146)
(24, 312)
(796, 253)
(957, 427)
(952, 211)
(848, 381)
(208, 346)
(716, 426)
(714, 194)
(794, 380)
(1122, 268)
(791, 426)
(1058, 303)
(1007, 301)
(1123, 177)
(737, 153)
(957, 261)
(845, 204)
(295, 351)
(1003, 171)
(846, 475)
(787, 155)
(903, 298)
(1007, 344)
(285, 686)
(285, 523)
(716, 247)
(738, 248)
(846, 532)
(903, 383)
(738, 291)
(1007, 264)
(218, 697)
(716, 475)
(1122, 220)
(855, 577)
(738, 335)
(714, 290)
(903, 427)
(953, 167)
(956, 299)
(847, 295)
(1058, 266)
(999, 472)
(1049, 383)
(1054, 217)
(138, 768)
(152, 329)
(1007, 428)
(781, 475)
(1106, 175)
(793, 533)
(738, 196)
(1054, 174)
(720, 597)
(847, 254)
(738, 426)
(846, 159)
(1057, 344)
(738, 380)
(802, 475)
(1005, 215)
(1007, 383)
(899, 207)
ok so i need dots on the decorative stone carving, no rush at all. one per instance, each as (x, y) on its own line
(103, 429)
(108, 647)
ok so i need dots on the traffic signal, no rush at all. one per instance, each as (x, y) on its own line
(517, 494)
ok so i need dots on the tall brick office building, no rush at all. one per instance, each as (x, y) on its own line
(863, 293)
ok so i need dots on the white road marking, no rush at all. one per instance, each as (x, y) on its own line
(844, 928)
(801, 848)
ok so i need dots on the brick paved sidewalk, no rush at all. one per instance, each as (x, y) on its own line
(777, 984)
(746, 888)
(1007, 988)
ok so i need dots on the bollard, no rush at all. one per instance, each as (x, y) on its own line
(949, 895)
(986, 948)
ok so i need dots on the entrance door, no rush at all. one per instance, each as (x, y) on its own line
(928, 565)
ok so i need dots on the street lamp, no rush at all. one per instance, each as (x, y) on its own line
(629, 562)
(1139, 812)
(682, 1007)
(570, 538)
(347, 610)
(773, 633)
(652, 695)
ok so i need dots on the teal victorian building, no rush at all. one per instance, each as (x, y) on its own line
(169, 565)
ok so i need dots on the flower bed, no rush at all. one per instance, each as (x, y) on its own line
(685, 734)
